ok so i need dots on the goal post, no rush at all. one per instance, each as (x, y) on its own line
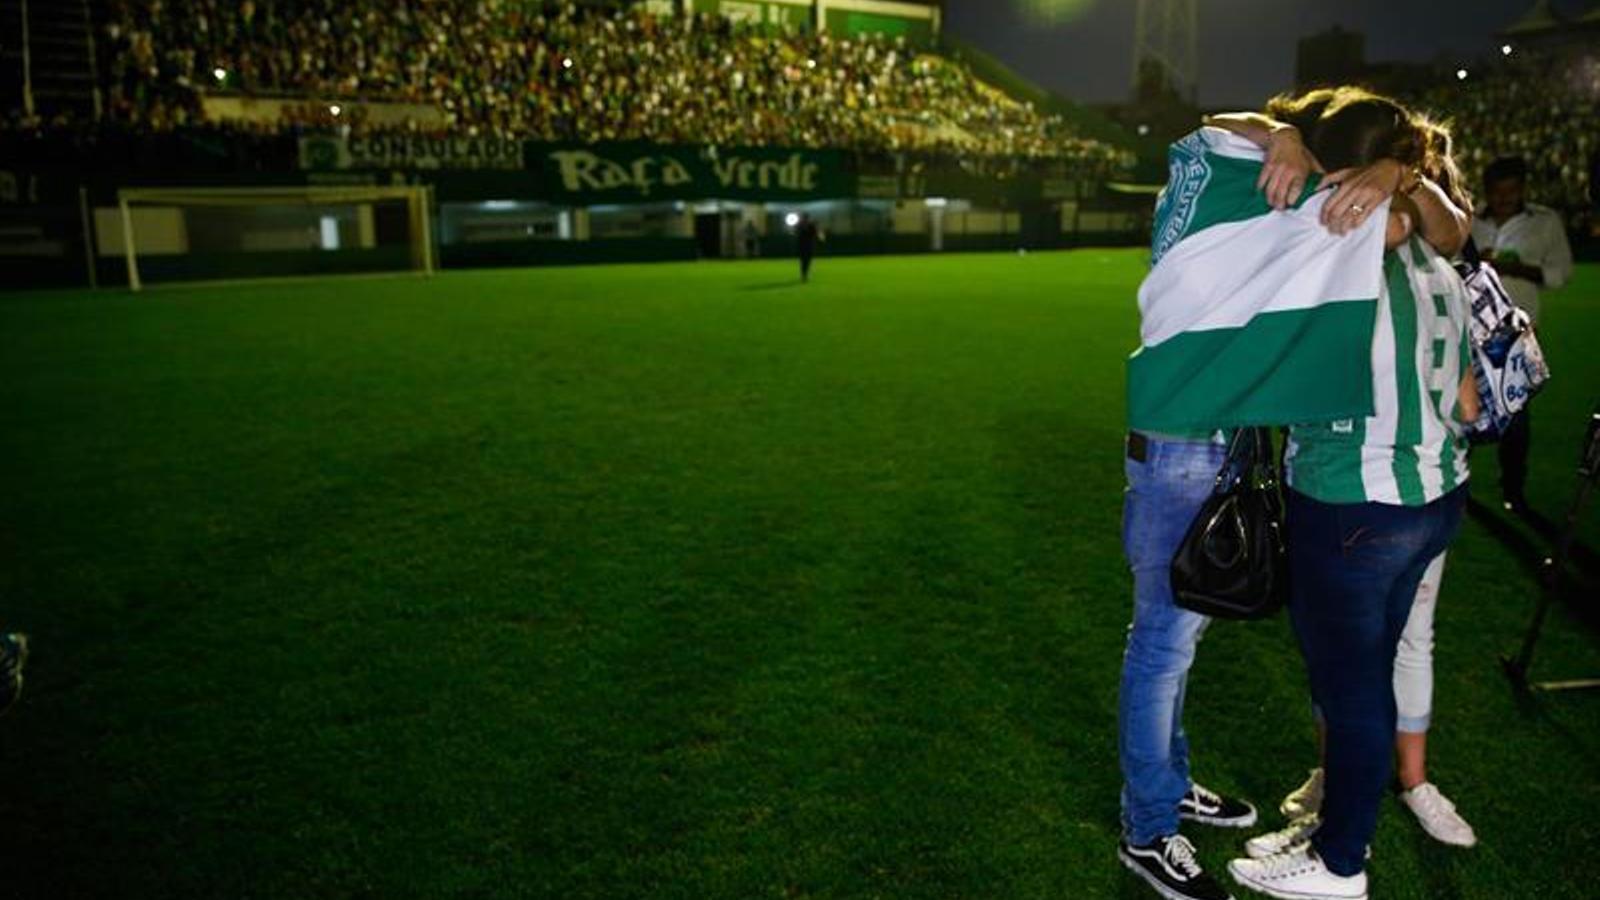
(212, 233)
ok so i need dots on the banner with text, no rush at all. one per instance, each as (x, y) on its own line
(643, 173)
(582, 174)
(324, 152)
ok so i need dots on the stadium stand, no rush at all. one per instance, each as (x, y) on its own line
(1540, 104)
(566, 72)
(547, 134)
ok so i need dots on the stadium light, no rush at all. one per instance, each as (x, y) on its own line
(220, 72)
(335, 108)
(566, 63)
(1461, 74)
(792, 219)
(1505, 49)
(1143, 130)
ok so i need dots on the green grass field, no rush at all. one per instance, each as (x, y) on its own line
(678, 581)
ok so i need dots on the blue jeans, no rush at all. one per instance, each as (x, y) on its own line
(1164, 494)
(1354, 571)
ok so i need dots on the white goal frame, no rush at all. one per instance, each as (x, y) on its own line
(418, 200)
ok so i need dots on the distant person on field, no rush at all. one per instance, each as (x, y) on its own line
(13, 655)
(807, 235)
(752, 240)
(1527, 244)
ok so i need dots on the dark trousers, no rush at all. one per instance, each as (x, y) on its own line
(1514, 455)
(805, 265)
(1355, 568)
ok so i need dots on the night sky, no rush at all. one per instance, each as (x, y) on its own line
(1247, 47)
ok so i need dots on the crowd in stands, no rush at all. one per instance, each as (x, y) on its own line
(546, 71)
(561, 72)
(1542, 106)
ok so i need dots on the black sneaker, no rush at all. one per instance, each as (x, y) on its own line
(1169, 866)
(13, 653)
(1210, 808)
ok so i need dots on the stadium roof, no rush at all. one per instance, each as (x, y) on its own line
(1538, 18)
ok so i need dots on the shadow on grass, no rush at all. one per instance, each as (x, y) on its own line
(1529, 553)
(1532, 549)
(1538, 709)
(773, 285)
(1438, 863)
(1580, 556)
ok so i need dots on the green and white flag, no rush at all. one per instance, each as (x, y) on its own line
(1250, 315)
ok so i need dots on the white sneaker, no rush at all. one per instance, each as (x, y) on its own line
(1438, 816)
(1304, 800)
(1298, 874)
(1274, 842)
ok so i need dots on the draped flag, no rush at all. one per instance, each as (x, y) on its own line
(1250, 315)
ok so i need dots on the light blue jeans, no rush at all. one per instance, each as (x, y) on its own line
(1165, 492)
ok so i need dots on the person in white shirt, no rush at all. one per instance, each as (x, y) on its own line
(1527, 244)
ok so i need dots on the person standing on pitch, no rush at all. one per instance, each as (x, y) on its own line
(1372, 502)
(1435, 210)
(807, 234)
(1527, 244)
(1170, 470)
(13, 656)
(752, 240)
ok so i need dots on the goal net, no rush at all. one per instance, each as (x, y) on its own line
(208, 234)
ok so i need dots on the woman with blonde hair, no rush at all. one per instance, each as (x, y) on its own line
(1413, 664)
(1374, 502)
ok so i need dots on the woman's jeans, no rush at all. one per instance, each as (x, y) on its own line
(1165, 492)
(1355, 569)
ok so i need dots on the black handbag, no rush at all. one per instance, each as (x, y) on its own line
(1233, 563)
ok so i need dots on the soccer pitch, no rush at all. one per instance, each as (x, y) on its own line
(674, 581)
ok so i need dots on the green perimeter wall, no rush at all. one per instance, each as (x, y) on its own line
(765, 12)
(852, 23)
(841, 21)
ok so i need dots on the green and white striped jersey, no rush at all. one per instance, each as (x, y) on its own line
(1412, 450)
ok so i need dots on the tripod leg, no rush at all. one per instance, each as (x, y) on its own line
(1516, 668)
(1581, 684)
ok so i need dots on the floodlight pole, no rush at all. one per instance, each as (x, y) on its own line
(94, 60)
(27, 63)
(1168, 31)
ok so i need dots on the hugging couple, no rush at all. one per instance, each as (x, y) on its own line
(1301, 278)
